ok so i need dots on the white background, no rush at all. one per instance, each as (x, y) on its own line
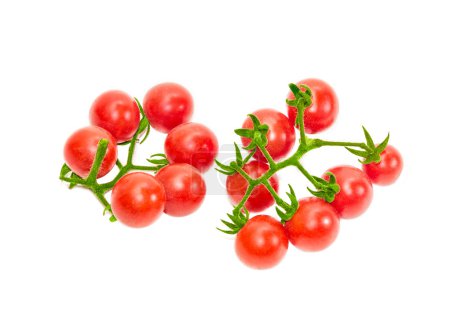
(388, 62)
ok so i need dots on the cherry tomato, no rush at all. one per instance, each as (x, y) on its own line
(281, 134)
(192, 143)
(118, 113)
(81, 147)
(388, 169)
(137, 199)
(314, 226)
(185, 189)
(260, 198)
(323, 110)
(262, 242)
(167, 105)
(355, 193)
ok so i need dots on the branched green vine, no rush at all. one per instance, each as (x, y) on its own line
(325, 189)
(100, 189)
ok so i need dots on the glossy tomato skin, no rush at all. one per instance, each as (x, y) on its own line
(81, 147)
(185, 189)
(260, 198)
(192, 143)
(137, 199)
(388, 169)
(314, 226)
(168, 105)
(117, 112)
(324, 108)
(262, 242)
(356, 191)
(281, 134)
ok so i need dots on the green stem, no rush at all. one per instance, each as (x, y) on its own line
(300, 115)
(268, 157)
(307, 174)
(99, 155)
(316, 143)
(245, 175)
(144, 168)
(246, 196)
(275, 195)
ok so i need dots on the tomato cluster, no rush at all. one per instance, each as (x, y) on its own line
(177, 187)
(342, 192)
(139, 198)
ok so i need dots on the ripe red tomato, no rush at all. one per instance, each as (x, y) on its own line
(260, 198)
(314, 226)
(167, 105)
(262, 242)
(355, 193)
(185, 189)
(192, 143)
(118, 113)
(281, 134)
(323, 110)
(81, 147)
(137, 199)
(388, 169)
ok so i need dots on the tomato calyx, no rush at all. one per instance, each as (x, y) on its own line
(238, 217)
(157, 162)
(371, 153)
(302, 100)
(258, 135)
(325, 189)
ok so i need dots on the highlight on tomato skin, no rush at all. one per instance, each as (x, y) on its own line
(168, 105)
(388, 170)
(138, 199)
(117, 112)
(356, 191)
(314, 226)
(185, 189)
(262, 243)
(81, 147)
(323, 111)
(281, 134)
(260, 198)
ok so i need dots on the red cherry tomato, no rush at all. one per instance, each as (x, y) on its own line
(314, 226)
(167, 105)
(355, 193)
(81, 147)
(137, 199)
(118, 113)
(260, 198)
(185, 189)
(323, 110)
(281, 135)
(262, 242)
(388, 169)
(192, 143)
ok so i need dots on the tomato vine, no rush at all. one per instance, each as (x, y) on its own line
(322, 188)
(158, 161)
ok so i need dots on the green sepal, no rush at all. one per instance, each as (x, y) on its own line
(222, 168)
(73, 175)
(248, 133)
(160, 162)
(112, 218)
(369, 139)
(238, 220)
(64, 170)
(239, 160)
(289, 209)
